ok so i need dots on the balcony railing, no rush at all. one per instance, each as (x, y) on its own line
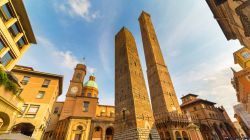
(174, 117)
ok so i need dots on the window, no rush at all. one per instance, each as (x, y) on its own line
(25, 80)
(14, 30)
(24, 107)
(123, 114)
(40, 94)
(19, 92)
(111, 114)
(6, 59)
(85, 106)
(33, 109)
(56, 110)
(195, 108)
(89, 94)
(1, 45)
(78, 76)
(245, 55)
(97, 129)
(20, 42)
(46, 83)
(6, 12)
(79, 127)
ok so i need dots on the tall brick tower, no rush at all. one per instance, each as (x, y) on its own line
(161, 88)
(134, 118)
(169, 119)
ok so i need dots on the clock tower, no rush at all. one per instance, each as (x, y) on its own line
(74, 91)
(75, 87)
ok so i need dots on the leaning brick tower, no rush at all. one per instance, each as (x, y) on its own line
(134, 118)
(169, 120)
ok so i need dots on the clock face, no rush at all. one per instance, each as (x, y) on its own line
(74, 90)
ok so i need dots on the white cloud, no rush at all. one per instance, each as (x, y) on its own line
(77, 8)
(211, 80)
(63, 58)
(47, 57)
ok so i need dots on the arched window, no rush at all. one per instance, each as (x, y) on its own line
(178, 135)
(79, 128)
(185, 135)
(89, 94)
(97, 133)
(78, 135)
(56, 110)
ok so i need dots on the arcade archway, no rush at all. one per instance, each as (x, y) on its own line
(178, 135)
(24, 128)
(185, 135)
(4, 121)
(109, 133)
(97, 133)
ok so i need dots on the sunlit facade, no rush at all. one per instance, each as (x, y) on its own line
(16, 33)
(39, 91)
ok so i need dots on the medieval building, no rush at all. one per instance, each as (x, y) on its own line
(213, 121)
(80, 116)
(134, 118)
(233, 18)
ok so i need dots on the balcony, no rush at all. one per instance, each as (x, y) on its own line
(173, 117)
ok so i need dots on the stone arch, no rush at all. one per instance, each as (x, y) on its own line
(5, 121)
(185, 135)
(223, 130)
(231, 131)
(178, 135)
(217, 130)
(97, 133)
(78, 132)
(24, 128)
(206, 132)
(167, 135)
(162, 135)
(109, 133)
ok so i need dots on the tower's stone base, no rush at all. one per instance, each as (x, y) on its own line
(137, 134)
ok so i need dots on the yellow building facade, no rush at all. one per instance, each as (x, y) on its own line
(10, 104)
(39, 91)
(242, 57)
(16, 33)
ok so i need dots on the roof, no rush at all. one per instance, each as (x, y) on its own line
(23, 69)
(190, 94)
(196, 101)
(90, 83)
(106, 105)
(24, 19)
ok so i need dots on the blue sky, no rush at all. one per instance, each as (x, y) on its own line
(196, 52)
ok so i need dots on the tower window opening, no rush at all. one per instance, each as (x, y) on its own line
(123, 115)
